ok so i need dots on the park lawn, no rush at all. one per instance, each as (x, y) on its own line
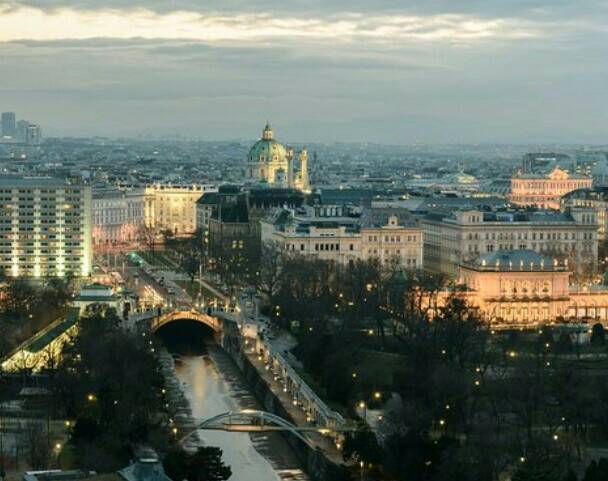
(157, 259)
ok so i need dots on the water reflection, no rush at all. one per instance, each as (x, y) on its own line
(213, 385)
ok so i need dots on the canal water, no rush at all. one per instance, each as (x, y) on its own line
(213, 384)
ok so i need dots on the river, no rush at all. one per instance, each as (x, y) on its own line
(213, 384)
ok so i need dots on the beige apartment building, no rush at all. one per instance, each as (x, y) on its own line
(390, 235)
(169, 207)
(45, 227)
(545, 191)
(451, 239)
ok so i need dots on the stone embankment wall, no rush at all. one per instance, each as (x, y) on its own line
(315, 463)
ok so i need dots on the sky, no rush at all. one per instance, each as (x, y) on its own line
(386, 71)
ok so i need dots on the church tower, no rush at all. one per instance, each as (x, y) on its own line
(304, 169)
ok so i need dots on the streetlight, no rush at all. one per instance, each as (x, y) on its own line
(363, 406)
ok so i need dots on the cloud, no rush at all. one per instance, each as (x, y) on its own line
(34, 23)
(388, 70)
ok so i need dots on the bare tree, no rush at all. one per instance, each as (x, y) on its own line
(267, 277)
(148, 236)
(37, 446)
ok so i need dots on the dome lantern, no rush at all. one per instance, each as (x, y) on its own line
(267, 133)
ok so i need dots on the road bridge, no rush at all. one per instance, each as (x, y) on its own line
(192, 314)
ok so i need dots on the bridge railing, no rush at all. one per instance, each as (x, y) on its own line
(331, 417)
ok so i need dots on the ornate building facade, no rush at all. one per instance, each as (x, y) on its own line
(389, 235)
(597, 199)
(452, 238)
(514, 287)
(118, 216)
(169, 207)
(271, 163)
(545, 191)
(525, 289)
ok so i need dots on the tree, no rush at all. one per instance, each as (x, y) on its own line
(268, 272)
(361, 284)
(204, 465)
(362, 445)
(148, 235)
(307, 292)
(20, 297)
(109, 381)
(38, 449)
(191, 266)
(564, 343)
(412, 299)
(541, 463)
(597, 470)
(598, 335)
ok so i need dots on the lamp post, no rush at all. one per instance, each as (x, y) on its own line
(363, 406)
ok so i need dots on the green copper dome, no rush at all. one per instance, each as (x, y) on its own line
(267, 149)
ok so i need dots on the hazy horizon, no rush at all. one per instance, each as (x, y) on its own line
(389, 72)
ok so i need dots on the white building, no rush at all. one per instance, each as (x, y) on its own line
(169, 207)
(390, 235)
(118, 216)
(453, 238)
(595, 198)
(45, 227)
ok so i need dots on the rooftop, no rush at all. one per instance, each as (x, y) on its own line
(597, 193)
(515, 260)
(379, 217)
(506, 215)
(19, 181)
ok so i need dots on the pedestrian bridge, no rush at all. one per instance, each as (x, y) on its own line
(251, 420)
(182, 314)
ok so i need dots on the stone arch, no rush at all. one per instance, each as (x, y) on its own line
(214, 323)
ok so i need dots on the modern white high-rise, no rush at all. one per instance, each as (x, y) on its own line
(45, 227)
(9, 126)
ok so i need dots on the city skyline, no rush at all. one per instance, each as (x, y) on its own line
(527, 72)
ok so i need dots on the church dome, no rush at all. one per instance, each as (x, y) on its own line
(267, 149)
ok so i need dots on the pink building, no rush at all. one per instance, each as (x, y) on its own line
(545, 191)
